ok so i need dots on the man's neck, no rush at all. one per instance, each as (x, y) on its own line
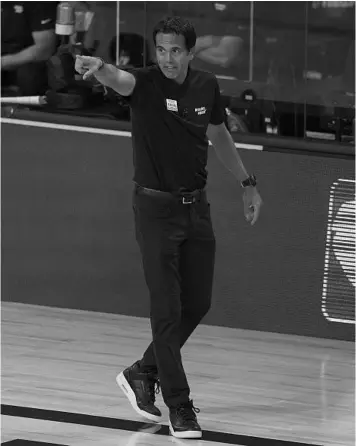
(180, 80)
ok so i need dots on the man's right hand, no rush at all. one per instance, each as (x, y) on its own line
(87, 65)
(121, 81)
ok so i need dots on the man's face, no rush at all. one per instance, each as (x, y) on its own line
(172, 56)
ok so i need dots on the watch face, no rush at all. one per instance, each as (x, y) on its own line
(250, 181)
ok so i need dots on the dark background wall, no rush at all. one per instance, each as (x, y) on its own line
(68, 236)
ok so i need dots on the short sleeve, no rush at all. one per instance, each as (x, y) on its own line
(41, 15)
(138, 94)
(217, 112)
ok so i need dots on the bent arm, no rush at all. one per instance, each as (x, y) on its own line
(226, 151)
(41, 50)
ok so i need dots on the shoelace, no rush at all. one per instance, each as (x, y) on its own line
(187, 411)
(154, 387)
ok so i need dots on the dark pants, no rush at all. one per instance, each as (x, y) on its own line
(177, 244)
(31, 79)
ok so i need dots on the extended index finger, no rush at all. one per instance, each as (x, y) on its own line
(89, 73)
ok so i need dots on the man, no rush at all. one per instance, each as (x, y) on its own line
(28, 40)
(173, 109)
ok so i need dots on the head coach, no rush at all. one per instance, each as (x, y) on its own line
(175, 111)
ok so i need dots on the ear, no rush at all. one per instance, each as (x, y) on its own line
(192, 53)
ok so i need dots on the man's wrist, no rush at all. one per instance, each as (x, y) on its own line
(102, 63)
(250, 181)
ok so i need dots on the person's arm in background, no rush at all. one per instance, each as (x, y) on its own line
(42, 16)
(41, 50)
(223, 51)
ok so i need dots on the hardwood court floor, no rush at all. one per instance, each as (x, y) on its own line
(249, 384)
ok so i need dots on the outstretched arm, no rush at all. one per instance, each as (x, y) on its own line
(119, 80)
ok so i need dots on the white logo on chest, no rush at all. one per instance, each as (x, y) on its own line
(172, 105)
(200, 110)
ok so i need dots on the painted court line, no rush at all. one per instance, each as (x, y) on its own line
(136, 426)
(98, 131)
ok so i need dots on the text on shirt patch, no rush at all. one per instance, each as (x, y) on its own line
(200, 110)
(172, 105)
(18, 9)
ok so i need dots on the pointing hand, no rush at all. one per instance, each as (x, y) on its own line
(87, 65)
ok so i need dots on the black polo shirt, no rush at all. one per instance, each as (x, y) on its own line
(20, 19)
(169, 124)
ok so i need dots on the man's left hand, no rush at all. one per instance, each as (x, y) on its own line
(252, 204)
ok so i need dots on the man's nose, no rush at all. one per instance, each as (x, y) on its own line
(168, 56)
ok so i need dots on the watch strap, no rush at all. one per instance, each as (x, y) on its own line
(102, 63)
(250, 181)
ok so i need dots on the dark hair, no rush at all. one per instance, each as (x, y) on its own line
(179, 26)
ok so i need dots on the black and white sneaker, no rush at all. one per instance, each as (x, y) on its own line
(183, 422)
(141, 388)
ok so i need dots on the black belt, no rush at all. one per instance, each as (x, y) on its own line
(182, 197)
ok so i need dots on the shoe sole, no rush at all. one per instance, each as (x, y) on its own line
(185, 434)
(125, 387)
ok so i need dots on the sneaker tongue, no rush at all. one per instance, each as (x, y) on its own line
(188, 405)
(187, 413)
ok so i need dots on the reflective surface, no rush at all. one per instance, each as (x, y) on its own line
(285, 68)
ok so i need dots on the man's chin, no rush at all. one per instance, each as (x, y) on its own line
(170, 74)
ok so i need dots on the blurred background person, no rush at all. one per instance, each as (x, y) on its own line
(219, 50)
(28, 40)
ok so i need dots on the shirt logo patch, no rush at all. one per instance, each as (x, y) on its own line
(200, 110)
(172, 105)
(18, 9)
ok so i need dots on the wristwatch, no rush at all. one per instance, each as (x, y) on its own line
(102, 63)
(250, 181)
